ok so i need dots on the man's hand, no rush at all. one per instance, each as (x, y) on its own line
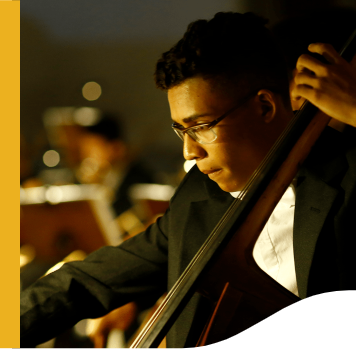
(120, 318)
(330, 87)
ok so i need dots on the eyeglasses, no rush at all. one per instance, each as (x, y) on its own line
(204, 133)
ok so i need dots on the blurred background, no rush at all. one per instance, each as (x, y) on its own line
(99, 161)
(66, 44)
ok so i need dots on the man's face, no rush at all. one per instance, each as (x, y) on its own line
(243, 138)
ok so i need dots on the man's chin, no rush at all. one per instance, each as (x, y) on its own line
(228, 187)
(225, 181)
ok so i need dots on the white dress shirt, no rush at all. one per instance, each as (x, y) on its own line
(273, 251)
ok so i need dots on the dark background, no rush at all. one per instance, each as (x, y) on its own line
(66, 43)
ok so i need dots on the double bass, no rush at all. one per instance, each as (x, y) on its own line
(223, 270)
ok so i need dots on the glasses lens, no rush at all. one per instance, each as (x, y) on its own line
(204, 135)
(179, 133)
(201, 135)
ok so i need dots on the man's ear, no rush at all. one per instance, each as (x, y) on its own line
(268, 104)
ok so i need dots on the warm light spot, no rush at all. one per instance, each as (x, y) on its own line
(54, 194)
(51, 158)
(54, 268)
(24, 260)
(188, 164)
(91, 91)
(35, 195)
(27, 254)
(157, 192)
(77, 255)
(86, 116)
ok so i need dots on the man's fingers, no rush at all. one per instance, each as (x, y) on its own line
(302, 91)
(312, 64)
(306, 78)
(326, 50)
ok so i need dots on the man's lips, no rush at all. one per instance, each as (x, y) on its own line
(209, 172)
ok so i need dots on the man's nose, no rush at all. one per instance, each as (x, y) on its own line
(192, 150)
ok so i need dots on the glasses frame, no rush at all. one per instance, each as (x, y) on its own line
(181, 131)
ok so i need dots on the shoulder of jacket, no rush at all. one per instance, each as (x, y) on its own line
(191, 185)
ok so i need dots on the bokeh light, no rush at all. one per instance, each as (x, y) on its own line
(86, 116)
(54, 194)
(91, 91)
(51, 158)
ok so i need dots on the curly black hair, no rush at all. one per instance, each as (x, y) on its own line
(232, 47)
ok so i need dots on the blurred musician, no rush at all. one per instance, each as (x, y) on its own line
(105, 159)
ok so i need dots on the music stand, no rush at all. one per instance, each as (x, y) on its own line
(57, 220)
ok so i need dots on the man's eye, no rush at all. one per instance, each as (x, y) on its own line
(178, 126)
(200, 128)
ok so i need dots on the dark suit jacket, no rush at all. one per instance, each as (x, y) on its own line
(144, 266)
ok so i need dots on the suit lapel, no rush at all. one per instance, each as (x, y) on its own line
(204, 212)
(316, 191)
(314, 199)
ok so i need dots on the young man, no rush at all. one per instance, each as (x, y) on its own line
(228, 94)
